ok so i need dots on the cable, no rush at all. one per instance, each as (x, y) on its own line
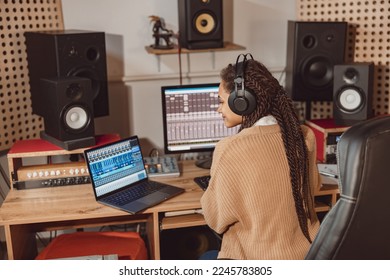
(179, 54)
(282, 75)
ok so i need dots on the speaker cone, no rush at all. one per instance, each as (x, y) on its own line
(76, 118)
(204, 23)
(350, 99)
(317, 72)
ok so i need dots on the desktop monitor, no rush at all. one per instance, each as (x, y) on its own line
(191, 122)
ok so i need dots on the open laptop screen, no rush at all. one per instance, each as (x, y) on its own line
(115, 165)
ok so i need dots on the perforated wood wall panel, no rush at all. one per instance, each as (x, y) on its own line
(17, 16)
(368, 41)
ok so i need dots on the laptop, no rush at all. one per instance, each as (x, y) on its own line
(119, 178)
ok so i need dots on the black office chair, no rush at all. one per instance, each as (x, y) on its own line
(358, 226)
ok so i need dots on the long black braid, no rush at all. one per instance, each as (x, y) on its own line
(272, 100)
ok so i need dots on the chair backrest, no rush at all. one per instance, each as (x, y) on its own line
(358, 226)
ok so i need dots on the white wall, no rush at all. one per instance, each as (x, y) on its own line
(136, 76)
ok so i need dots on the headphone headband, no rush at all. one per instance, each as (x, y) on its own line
(240, 70)
(241, 101)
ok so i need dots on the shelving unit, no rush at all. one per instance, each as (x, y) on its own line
(228, 46)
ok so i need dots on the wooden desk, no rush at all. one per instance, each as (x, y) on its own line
(25, 212)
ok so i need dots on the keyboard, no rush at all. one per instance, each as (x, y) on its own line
(162, 166)
(203, 181)
(134, 193)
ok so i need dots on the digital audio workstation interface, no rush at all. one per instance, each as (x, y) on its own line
(192, 121)
(116, 166)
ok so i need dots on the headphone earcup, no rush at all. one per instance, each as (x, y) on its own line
(242, 102)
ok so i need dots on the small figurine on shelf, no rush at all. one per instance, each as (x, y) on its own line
(161, 32)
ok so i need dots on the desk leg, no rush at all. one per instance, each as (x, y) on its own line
(21, 242)
(153, 233)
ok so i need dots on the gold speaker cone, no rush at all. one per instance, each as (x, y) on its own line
(204, 23)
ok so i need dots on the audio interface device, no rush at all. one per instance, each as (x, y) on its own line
(76, 173)
(52, 175)
(162, 166)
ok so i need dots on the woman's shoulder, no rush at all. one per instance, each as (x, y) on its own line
(307, 132)
(309, 136)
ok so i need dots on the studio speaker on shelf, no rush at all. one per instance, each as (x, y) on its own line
(68, 53)
(352, 93)
(68, 117)
(313, 48)
(200, 24)
(187, 243)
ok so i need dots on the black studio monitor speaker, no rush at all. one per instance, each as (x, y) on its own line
(200, 24)
(68, 53)
(68, 117)
(352, 93)
(313, 48)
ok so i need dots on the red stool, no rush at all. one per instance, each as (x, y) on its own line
(126, 245)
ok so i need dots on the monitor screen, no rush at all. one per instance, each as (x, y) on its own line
(191, 122)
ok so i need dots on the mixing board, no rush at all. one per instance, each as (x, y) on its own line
(162, 166)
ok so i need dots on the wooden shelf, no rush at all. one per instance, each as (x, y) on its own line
(190, 220)
(228, 46)
(321, 207)
(326, 197)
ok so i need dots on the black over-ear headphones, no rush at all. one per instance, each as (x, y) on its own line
(241, 101)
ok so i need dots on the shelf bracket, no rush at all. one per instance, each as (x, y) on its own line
(158, 58)
(213, 60)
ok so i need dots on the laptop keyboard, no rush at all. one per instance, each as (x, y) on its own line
(134, 193)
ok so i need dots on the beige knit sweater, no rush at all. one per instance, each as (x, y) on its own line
(249, 197)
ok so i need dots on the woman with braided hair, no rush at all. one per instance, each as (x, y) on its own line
(262, 179)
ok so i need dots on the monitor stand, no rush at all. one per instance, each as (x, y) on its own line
(204, 162)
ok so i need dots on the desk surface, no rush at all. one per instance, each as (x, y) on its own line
(25, 212)
(59, 204)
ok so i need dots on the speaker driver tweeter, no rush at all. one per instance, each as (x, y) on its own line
(74, 92)
(351, 76)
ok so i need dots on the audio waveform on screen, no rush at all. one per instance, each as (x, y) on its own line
(115, 163)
